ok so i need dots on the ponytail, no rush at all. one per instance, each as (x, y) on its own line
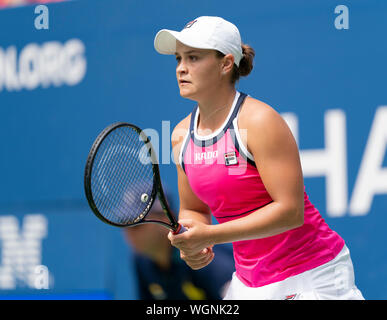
(245, 65)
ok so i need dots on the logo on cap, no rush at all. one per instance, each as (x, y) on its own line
(189, 24)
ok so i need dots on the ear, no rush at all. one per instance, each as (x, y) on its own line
(228, 63)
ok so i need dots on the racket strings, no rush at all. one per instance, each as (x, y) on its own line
(106, 205)
(109, 205)
(121, 175)
(121, 211)
(128, 197)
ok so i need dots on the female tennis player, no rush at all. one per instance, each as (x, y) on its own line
(237, 159)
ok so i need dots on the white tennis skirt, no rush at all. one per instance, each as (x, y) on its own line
(333, 280)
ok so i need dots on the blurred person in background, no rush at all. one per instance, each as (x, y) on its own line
(162, 275)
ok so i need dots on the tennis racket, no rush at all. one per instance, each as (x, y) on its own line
(122, 178)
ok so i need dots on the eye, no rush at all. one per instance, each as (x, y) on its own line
(178, 59)
(193, 58)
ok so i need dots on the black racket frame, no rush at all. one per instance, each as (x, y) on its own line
(157, 186)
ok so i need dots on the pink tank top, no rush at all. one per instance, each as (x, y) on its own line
(223, 174)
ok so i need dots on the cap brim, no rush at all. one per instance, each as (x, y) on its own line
(165, 41)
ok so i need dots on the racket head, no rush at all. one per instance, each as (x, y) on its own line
(120, 178)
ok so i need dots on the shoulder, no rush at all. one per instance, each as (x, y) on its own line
(265, 127)
(257, 114)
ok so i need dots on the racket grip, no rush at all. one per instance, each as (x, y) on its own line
(180, 229)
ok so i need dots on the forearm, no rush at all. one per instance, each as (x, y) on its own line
(268, 221)
(195, 215)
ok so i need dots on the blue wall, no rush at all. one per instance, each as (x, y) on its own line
(96, 65)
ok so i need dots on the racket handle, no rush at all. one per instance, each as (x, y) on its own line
(180, 229)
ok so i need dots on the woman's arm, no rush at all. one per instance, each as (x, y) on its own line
(276, 155)
(191, 207)
(275, 152)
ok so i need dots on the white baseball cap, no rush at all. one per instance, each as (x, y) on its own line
(203, 33)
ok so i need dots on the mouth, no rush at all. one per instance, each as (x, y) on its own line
(183, 82)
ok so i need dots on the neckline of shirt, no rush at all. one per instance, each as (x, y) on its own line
(220, 129)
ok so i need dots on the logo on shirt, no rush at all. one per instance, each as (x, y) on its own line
(200, 156)
(230, 158)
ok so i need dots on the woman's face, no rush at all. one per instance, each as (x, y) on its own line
(198, 71)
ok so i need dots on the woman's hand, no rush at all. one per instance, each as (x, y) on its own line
(194, 240)
(199, 260)
(194, 244)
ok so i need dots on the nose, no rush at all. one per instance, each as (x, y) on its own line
(181, 68)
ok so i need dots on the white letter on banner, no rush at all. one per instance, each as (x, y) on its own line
(74, 66)
(21, 251)
(29, 74)
(330, 162)
(11, 79)
(50, 64)
(292, 121)
(2, 69)
(372, 178)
